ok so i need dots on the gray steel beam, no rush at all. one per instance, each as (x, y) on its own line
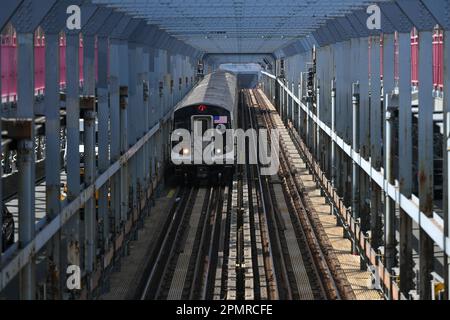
(391, 105)
(114, 105)
(103, 113)
(90, 221)
(426, 158)
(375, 142)
(71, 233)
(53, 155)
(405, 170)
(355, 169)
(26, 158)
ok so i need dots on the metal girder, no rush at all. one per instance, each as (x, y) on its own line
(109, 24)
(30, 14)
(418, 14)
(337, 33)
(119, 31)
(396, 16)
(358, 26)
(55, 20)
(230, 26)
(8, 9)
(440, 9)
(139, 31)
(96, 21)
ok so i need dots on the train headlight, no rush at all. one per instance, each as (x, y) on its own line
(186, 152)
(218, 151)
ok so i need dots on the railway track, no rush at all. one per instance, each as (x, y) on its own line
(326, 278)
(248, 237)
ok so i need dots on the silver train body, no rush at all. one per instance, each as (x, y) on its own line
(212, 104)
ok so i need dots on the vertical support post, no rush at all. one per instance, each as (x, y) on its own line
(426, 158)
(391, 102)
(355, 166)
(114, 98)
(446, 159)
(71, 233)
(89, 178)
(375, 143)
(26, 216)
(388, 87)
(318, 145)
(132, 122)
(333, 132)
(90, 221)
(291, 117)
(103, 137)
(364, 130)
(26, 158)
(123, 92)
(405, 149)
(300, 110)
(53, 155)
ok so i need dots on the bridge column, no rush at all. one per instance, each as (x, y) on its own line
(405, 171)
(103, 110)
(426, 159)
(114, 101)
(355, 166)
(26, 158)
(53, 155)
(375, 143)
(388, 137)
(124, 102)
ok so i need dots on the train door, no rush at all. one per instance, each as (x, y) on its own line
(199, 125)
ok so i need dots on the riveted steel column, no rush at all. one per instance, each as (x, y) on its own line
(375, 143)
(447, 158)
(292, 117)
(133, 111)
(300, 110)
(318, 131)
(333, 132)
(25, 162)
(73, 142)
(355, 166)
(339, 88)
(90, 222)
(103, 137)
(405, 169)
(139, 123)
(124, 178)
(388, 134)
(25, 110)
(53, 155)
(301, 116)
(364, 130)
(391, 102)
(426, 158)
(114, 101)
(146, 95)
(26, 216)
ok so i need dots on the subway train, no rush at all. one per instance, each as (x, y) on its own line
(202, 140)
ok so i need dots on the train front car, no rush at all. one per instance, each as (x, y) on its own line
(202, 137)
